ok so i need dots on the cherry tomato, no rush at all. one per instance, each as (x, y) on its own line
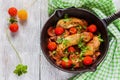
(22, 14)
(66, 64)
(12, 11)
(71, 49)
(59, 30)
(52, 46)
(73, 30)
(92, 28)
(88, 60)
(13, 27)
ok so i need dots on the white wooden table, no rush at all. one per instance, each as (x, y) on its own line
(27, 42)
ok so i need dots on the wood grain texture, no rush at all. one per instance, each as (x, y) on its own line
(26, 41)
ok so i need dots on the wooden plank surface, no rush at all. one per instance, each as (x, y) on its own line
(26, 41)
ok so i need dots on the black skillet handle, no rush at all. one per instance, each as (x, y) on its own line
(59, 13)
(111, 18)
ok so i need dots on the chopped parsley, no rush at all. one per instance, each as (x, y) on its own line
(59, 40)
(54, 52)
(66, 51)
(99, 37)
(82, 46)
(20, 69)
(81, 43)
(76, 52)
(83, 50)
(66, 18)
(65, 42)
(65, 59)
(84, 27)
(80, 28)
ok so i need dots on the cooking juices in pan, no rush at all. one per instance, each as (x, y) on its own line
(73, 43)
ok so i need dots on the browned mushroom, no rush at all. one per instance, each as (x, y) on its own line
(50, 31)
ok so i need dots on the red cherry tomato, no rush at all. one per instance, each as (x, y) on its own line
(66, 64)
(73, 30)
(12, 11)
(13, 27)
(52, 46)
(71, 49)
(59, 30)
(92, 28)
(88, 60)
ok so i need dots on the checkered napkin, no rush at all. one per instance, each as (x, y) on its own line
(109, 69)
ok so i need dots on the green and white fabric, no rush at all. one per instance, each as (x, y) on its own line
(109, 69)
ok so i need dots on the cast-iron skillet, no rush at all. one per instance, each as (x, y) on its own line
(90, 18)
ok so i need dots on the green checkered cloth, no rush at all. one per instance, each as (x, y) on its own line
(109, 69)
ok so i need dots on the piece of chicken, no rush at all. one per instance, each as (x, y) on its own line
(73, 40)
(71, 22)
(93, 46)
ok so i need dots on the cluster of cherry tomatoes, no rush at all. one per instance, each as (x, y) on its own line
(13, 12)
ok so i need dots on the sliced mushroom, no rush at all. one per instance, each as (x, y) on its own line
(50, 31)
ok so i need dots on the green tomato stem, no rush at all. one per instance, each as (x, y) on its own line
(17, 53)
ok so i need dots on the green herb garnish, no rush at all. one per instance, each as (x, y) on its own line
(76, 52)
(20, 69)
(59, 40)
(66, 18)
(66, 51)
(80, 27)
(99, 37)
(54, 52)
(82, 46)
(65, 42)
(83, 50)
(84, 27)
(65, 59)
(81, 43)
